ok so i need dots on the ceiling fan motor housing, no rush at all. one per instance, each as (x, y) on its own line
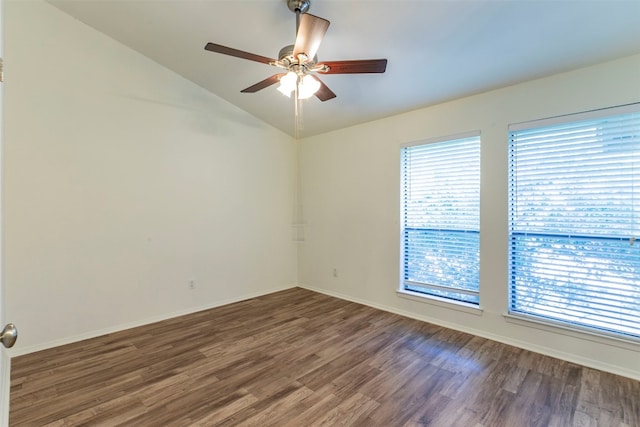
(288, 61)
(286, 53)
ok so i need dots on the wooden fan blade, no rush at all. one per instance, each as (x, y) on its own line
(356, 66)
(310, 34)
(263, 84)
(237, 53)
(324, 93)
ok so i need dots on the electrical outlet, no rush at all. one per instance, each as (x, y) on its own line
(192, 284)
(335, 272)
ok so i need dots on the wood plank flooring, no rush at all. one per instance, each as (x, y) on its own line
(299, 358)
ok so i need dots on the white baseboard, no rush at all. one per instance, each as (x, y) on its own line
(141, 322)
(547, 351)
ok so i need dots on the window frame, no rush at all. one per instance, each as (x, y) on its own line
(445, 301)
(557, 322)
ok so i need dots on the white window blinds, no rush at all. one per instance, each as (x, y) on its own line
(440, 218)
(574, 200)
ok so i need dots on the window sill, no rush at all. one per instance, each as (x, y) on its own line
(575, 332)
(441, 302)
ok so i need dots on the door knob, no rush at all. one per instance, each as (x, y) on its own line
(9, 335)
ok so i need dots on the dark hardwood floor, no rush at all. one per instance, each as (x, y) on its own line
(299, 358)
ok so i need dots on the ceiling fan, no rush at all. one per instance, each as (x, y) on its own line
(299, 61)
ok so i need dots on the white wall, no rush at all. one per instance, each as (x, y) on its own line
(123, 181)
(351, 200)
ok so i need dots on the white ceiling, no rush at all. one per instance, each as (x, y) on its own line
(438, 50)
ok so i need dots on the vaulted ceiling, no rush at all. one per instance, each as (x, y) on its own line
(437, 50)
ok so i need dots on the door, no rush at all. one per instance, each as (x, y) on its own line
(7, 333)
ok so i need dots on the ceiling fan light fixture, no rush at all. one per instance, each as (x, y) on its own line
(288, 83)
(307, 87)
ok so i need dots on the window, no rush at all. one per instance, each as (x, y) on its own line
(574, 202)
(440, 218)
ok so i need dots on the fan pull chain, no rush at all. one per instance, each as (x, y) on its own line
(297, 113)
